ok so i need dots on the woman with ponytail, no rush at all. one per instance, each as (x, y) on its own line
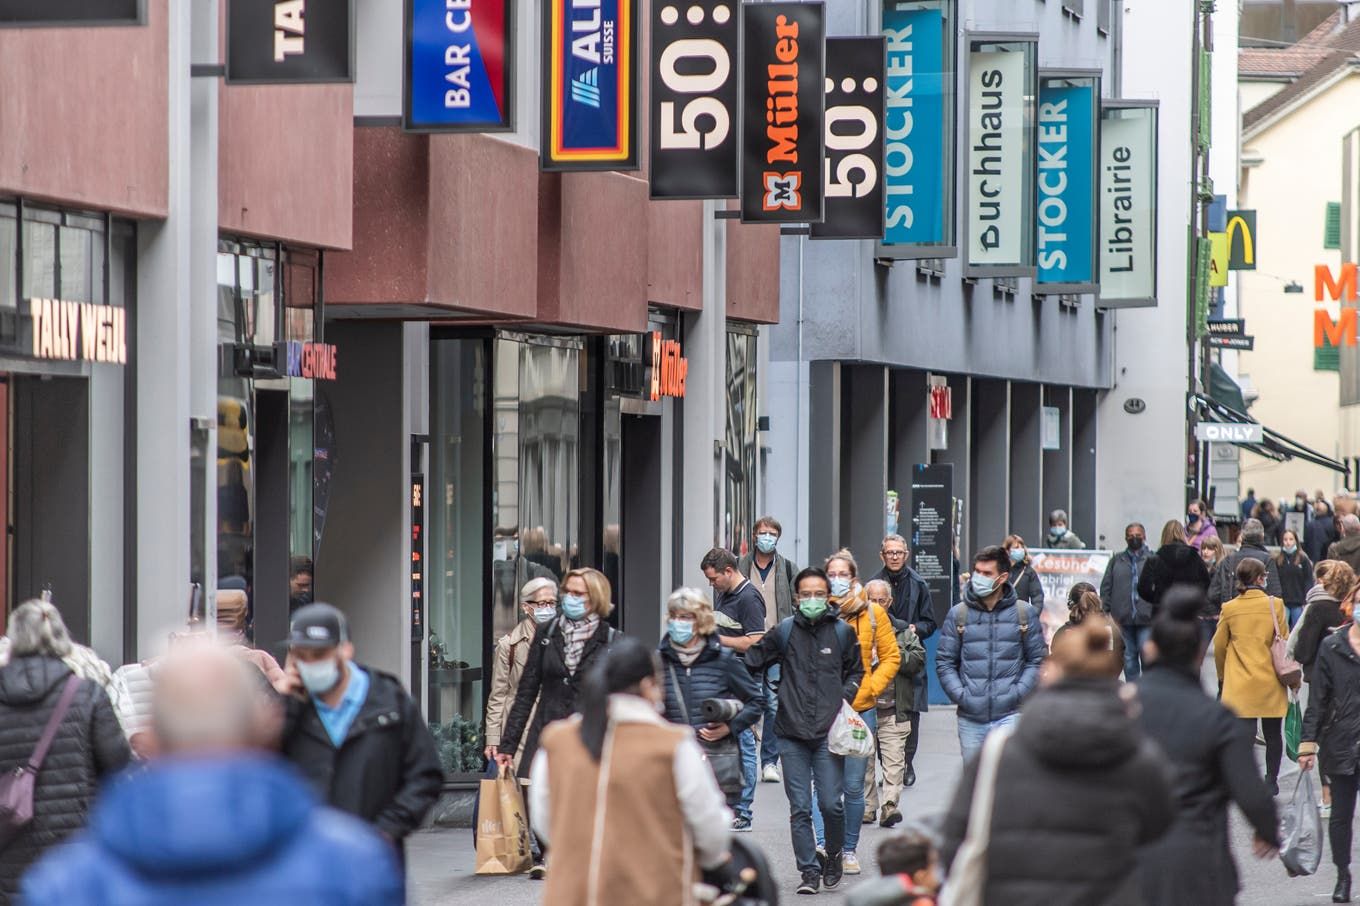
(624, 799)
(1212, 758)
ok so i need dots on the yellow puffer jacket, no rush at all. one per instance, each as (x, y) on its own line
(875, 635)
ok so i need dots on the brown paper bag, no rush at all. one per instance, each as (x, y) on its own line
(502, 827)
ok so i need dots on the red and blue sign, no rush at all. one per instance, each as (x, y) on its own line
(589, 85)
(458, 66)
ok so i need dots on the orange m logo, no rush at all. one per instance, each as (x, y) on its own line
(1342, 289)
(1335, 333)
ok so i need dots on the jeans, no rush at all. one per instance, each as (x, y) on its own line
(1272, 730)
(1343, 812)
(769, 742)
(973, 732)
(855, 771)
(1294, 614)
(1134, 637)
(747, 741)
(805, 760)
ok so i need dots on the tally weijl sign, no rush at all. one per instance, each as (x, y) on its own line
(290, 41)
(997, 158)
(1128, 196)
(78, 331)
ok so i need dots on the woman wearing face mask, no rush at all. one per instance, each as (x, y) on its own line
(538, 605)
(563, 649)
(1199, 525)
(1296, 574)
(695, 668)
(1023, 578)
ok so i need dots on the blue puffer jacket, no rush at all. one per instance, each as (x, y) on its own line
(213, 831)
(989, 667)
(717, 673)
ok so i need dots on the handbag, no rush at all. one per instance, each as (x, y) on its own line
(968, 880)
(1288, 670)
(723, 756)
(16, 787)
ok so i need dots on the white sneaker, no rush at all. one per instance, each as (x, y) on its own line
(771, 773)
(850, 863)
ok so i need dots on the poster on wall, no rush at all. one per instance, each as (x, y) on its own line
(783, 96)
(589, 85)
(1128, 204)
(283, 42)
(1065, 235)
(459, 66)
(853, 165)
(918, 127)
(1058, 571)
(81, 13)
(694, 97)
(999, 184)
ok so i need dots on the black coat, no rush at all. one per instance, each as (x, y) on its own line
(1333, 716)
(1223, 586)
(1027, 586)
(822, 666)
(716, 673)
(1212, 759)
(1296, 577)
(1173, 564)
(1318, 535)
(1319, 619)
(911, 603)
(386, 771)
(1079, 789)
(1273, 526)
(88, 747)
(547, 680)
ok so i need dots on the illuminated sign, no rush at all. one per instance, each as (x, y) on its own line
(311, 360)
(78, 331)
(417, 557)
(669, 367)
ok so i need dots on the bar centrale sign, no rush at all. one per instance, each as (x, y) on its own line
(78, 331)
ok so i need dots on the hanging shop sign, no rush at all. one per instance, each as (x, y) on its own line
(80, 13)
(459, 66)
(1241, 235)
(1230, 432)
(417, 557)
(1341, 330)
(1128, 204)
(999, 219)
(589, 85)
(1227, 327)
(1218, 259)
(694, 98)
(290, 41)
(918, 128)
(668, 369)
(1065, 242)
(315, 361)
(1243, 343)
(783, 95)
(78, 331)
(853, 165)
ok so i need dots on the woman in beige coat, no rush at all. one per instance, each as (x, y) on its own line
(1246, 628)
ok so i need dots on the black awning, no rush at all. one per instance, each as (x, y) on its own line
(1274, 445)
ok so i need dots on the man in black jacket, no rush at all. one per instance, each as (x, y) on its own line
(1119, 593)
(822, 668)
(1223, 587)
(353, 731)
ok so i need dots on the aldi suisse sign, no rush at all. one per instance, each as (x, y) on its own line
(290, 41)
(589, 85)
(459, 72)
(783, 95)
(854, 140)
(694, 98)
(72, 12)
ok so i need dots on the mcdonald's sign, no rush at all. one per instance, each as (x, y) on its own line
(1241, 232)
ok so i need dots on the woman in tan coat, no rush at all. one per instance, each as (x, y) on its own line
(1246, 628)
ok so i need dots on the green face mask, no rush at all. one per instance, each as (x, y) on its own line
(812, 608)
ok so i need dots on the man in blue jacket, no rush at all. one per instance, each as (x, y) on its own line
(991, 646)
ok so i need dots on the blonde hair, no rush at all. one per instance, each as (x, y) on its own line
(598, 593)
(844, 554)
(1213, 543)
(1338, 579)
(1173, 531)
(36, 628)
(695, 603)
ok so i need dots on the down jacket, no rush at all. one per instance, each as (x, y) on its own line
(878, 646)
(716, 673)
(990, 663)
(88, 747)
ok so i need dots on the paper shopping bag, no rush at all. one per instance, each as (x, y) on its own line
(502, 828)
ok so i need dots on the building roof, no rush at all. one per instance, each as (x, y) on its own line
(1321, 54)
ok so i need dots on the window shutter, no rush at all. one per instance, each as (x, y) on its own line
(1331, 234)
(1326, 357)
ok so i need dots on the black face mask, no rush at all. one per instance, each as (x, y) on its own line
(1134, 543)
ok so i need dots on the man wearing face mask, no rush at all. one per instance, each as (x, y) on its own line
(772, 575)
(1059, 535)
(1119, 594)
(991, 647)
(353, 731)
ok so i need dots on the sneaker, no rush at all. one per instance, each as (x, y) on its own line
(850, 862)
(890, 817)
(812, 882)
(741, 825)
(771, 774)
(870, 816)
(537, 872)
(834, 869)
(910, 779)
(821, 860)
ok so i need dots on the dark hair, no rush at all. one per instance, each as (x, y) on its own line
(624, 664)
(1076, 591)
(811, 572)
(718, 559)
(1249, 572)
(994, 553)
(905, 853)
(300, 564)
(1176, 630)
(768, 522)
(1087, 605)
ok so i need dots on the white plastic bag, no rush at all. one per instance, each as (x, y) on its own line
(850, 735)
(1302, 830)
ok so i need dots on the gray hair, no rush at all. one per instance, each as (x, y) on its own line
(1057, 516)
(36, 628)
(1350, 524)
(877, 583)
(206, 699)
(893, 536)
(695, 603)
(534, 586)
(1253, 531)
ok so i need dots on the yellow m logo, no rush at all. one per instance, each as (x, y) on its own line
(1243, 259)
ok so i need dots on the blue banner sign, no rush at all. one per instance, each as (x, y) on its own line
(589, 85)
(918, 140)
(1065, 215)
(458, 66)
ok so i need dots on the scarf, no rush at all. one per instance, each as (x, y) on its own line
(574, 634)
(688, 654)
(854, 602)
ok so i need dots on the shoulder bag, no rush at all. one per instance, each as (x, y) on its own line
(1288, 670)
(723, 756)
(967, 883)
(16, 787)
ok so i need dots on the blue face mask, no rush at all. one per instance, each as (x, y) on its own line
(982, 585)
(840, 586)
(766, 541)
(1291, 549)
(1017, 554)
(573, 607)
(681, 631)
(1058, 531)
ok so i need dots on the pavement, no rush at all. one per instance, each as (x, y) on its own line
(441, 861)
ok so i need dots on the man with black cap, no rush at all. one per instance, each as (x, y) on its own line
(353, 731)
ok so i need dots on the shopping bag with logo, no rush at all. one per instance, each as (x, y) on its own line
(1293, 727)
(502, 829)
(850, 735)
(1301, 829)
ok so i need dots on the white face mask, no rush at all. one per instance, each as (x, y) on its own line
(319, 677)
(544, 612)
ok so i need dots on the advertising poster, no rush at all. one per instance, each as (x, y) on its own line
(459, 68)
(284, 42)
(852, 171)
(1065, 215)
(1058, 571)
(1128, 205)
(589, 85)
(997, 205)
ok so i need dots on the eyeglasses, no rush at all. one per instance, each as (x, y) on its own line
(552, 601)
(894, 553)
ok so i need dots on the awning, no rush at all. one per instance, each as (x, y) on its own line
(1275, 445)
(1224, 389)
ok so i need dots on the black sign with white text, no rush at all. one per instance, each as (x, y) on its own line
(852, 172)
(1228, 327)
(932, 531)
(290, 41)
(1244, 343)
(694, 98)
(783, 98)
(72, 12)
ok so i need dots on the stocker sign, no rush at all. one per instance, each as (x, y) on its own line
(1067, 176)
(783, 96)
(854, 140)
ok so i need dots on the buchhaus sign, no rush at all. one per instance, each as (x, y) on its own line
(459, 67)
(1065, 234)
(854, 140)
(1128, 204)
(290, 41)
(589, 85)
(999, 181)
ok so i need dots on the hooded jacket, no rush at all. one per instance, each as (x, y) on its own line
(821, 667)
(1075, 760)
(1332, 721)
(989, 666)
(912, 604)
(1196, 533)
(234, 829)
(716, 673)
(1173, 564)
(88, 747)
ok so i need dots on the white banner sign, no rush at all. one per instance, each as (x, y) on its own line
(998, 213)
(1128, 204)
(1058, 571)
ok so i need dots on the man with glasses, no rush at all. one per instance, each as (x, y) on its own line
(911, 604)
(771, 574)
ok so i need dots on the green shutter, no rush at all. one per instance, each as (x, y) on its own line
(1205, 111)
(1326, 357)
(1331, 232)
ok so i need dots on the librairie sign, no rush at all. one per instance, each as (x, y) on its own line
(78, 331)
(290, 41)
(1128, 204)
(459, 66)
(72, 12)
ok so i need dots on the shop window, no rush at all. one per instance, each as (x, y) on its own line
(739, 446)
(9, 235)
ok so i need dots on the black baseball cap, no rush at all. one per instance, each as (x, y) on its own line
(317, 626)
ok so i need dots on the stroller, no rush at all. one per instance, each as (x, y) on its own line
(747, 881)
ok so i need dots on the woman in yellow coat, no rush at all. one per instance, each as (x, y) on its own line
(878, 646)
(1246, 673)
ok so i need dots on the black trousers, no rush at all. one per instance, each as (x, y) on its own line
(1272, 730)
(914, 738)
(1343, 813)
